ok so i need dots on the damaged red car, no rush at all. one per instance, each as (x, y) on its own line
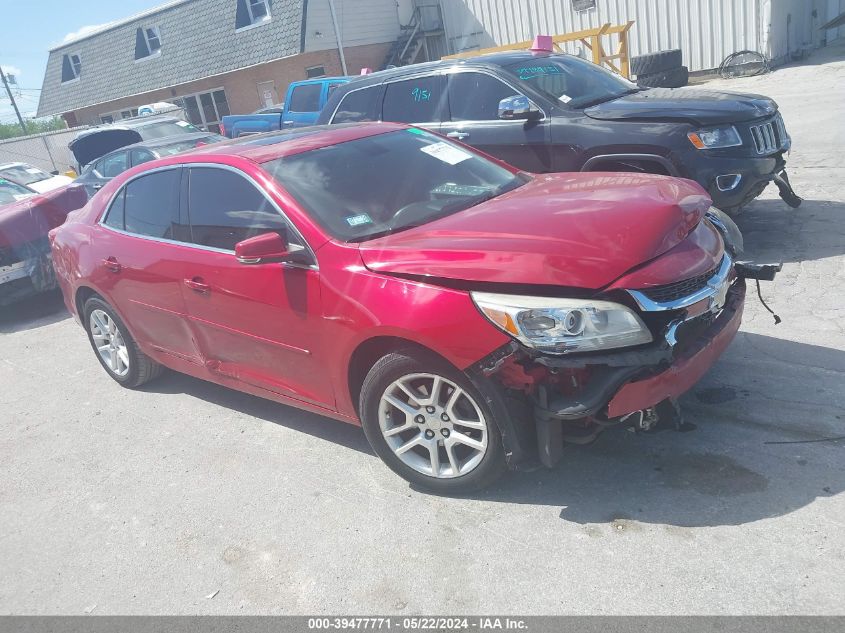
(25, 219)
(468, 315)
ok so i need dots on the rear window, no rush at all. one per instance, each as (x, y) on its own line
(151, 204)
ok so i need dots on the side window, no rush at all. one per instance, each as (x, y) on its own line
(225, 208)
(98, 167)
(151, 204)
(305, 98)
(359, 105)
(476, 96)
(414, 100)
(114, 165)
(115, 214)
(140, 156)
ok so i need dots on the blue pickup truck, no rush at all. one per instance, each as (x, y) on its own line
(303, 102)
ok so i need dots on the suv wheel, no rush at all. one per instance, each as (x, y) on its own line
(115, 348)
(430, 426)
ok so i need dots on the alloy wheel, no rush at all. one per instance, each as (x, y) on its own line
(109, 342)
(433, 426)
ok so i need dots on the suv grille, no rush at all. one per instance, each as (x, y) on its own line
(769, 136)
(679, 289)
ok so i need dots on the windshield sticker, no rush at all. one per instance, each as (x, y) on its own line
(530, 72)
(565, 98)
(419, 94)
(446, 153)
(183, 124)
(359, 220)
(414, 130)
(32, 170)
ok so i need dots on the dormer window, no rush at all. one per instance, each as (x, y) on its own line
(252, 13)
(71, 67)
(147, 42)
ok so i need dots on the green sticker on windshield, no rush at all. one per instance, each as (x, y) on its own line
(530, 72)
(358, 220)
(414, 130)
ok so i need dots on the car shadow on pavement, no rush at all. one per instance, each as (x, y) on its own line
(762, 448)
(774, 232)
(33, 312)
(319, 426)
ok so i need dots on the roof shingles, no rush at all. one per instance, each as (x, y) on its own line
(198, 39)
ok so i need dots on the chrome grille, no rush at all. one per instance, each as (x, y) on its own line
(770, 136)
(679, 289)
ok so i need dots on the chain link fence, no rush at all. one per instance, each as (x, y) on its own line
(47, 151)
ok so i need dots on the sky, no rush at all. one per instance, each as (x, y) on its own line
(29, 28)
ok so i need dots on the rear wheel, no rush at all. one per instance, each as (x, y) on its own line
(427, 422)
(115, 348)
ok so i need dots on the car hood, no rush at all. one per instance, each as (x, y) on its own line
(32, 218)
(574, 230)
(700, 107)
(48, 184)
(89, 146)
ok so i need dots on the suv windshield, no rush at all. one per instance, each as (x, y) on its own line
(23, 174)
(160, 129)
(382, 184)
(11, 192)
(572, 80)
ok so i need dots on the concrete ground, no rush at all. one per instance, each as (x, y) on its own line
(187, 498)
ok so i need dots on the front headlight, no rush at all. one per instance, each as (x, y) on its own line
(715, 138)
(561, 326)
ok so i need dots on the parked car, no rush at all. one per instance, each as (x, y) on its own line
(301, 107)
(548, 112)
(89, 145)
(32, 177)
(115, 163)
(463, 311)
(25, 218)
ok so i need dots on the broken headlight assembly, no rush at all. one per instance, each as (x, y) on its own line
(715, 138)
(562, 326)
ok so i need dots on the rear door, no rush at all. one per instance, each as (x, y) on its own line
(302, 104)
(419, 100)
(259, 323)
(473, 103)
(140, 269)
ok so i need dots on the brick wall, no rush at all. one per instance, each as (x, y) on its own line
(241, 86)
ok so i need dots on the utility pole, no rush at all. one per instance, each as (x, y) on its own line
(12, 98)
(337, 37)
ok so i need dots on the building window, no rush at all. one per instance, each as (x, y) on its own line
(315, 71)
(252, 13)
(71, 68)
(205, 109)
(147, 42)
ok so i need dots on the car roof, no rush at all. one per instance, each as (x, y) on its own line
(7, 165)
(261, 148)
(164, 141)
(489, 61)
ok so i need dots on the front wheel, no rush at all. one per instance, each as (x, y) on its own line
(429, 424)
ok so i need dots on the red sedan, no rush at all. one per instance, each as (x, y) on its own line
(468, 315)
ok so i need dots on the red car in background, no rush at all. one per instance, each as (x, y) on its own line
(470, 316)
(25, 219)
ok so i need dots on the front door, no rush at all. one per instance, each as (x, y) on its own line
(473, 119)
(258, 323)
(140, 271)
(419, 100)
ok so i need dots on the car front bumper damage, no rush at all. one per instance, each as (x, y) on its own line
(26, 269)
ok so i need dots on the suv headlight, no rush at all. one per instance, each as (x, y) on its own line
(560, 326)
(715, 138)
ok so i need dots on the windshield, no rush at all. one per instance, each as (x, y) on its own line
(160, 129)
(382, 184)
(572, 80)
(11, 192)
(23, 174)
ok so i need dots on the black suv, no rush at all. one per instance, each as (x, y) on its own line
(550, 112)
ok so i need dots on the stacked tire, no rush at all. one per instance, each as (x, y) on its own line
(663, 69)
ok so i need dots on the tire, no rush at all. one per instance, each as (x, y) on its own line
(674, 78)
(656, 62)
(445, 424)
(133, 367)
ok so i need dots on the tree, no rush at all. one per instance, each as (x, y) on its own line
(13, 130)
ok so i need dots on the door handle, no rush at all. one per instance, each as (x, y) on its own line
(112, 264)
(458, 135)
(197, 285)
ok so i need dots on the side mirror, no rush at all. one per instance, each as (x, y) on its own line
(518, 107)
(267, 248)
